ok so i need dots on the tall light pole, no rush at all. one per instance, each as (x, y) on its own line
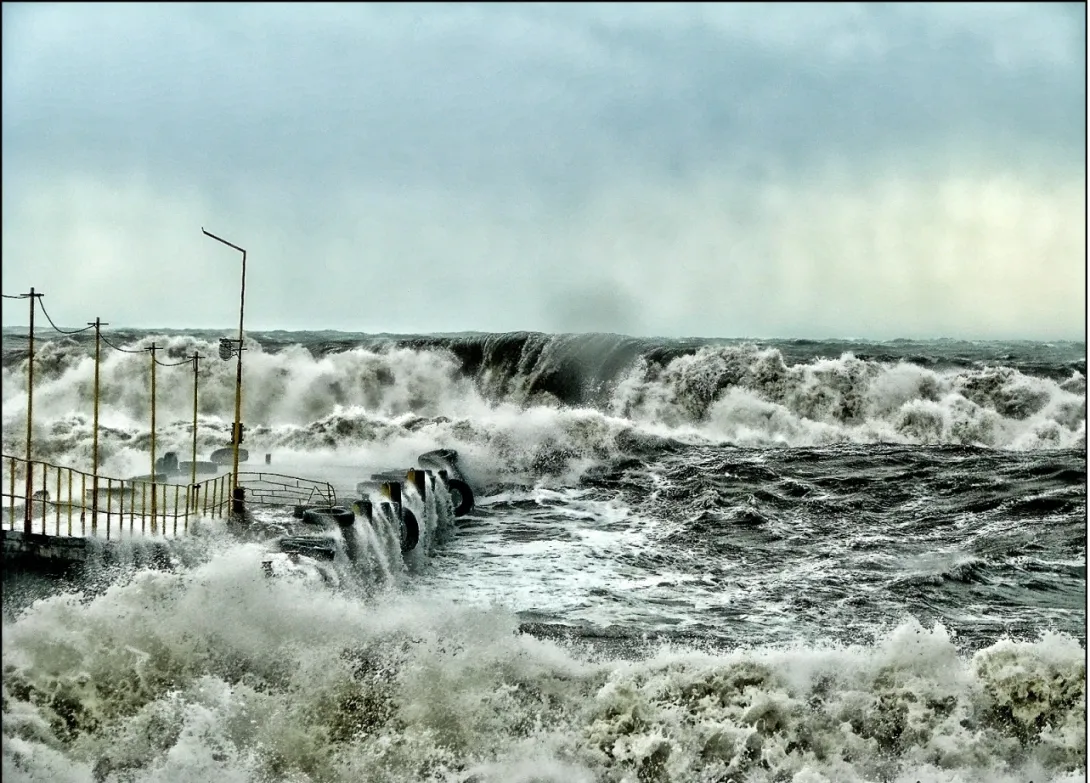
(153, 348)
(99, 323)
(33, 297)
(193, 463)
(236, 431)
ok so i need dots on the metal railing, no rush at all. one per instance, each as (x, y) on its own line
(66, 501)
(276, 489)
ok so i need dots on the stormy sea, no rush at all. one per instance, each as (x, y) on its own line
(688, 560)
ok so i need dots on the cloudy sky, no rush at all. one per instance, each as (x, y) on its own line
(734, 170)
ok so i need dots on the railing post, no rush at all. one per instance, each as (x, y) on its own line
(45, 492)
(57, 506)
(83, 507)
(70, 502)
(11, 500)
(109, 504)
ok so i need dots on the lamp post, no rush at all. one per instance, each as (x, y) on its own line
(236, 431)
(153, 348)
(193, 462)
(98, 324)
(33, 297)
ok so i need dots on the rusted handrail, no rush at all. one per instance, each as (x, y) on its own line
(115, 497)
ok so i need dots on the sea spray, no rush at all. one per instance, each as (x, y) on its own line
(739, 393)
(689, 560)
(218, 671)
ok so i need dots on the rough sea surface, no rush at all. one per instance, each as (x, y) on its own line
(690, 560)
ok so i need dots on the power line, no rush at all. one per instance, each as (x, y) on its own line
(41, 304)
(186, 360)
(102, 337)
(123, 350)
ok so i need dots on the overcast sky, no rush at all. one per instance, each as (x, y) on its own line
(733, 170)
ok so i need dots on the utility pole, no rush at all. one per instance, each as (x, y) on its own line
(193, 464)
(236, 431)
(98, 324)
(153, 348)
(29, 413)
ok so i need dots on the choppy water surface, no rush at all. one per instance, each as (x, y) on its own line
(690, 561)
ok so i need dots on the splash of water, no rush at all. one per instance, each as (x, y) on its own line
(358, 404)
(217, 672)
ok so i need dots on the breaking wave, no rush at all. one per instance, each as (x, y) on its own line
(219, 673)
(523, 399)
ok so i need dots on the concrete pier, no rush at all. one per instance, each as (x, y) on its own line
(45, 554)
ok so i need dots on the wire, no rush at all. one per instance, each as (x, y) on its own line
(123, 350)
(41, 304)
(186, 360)
(19, 296)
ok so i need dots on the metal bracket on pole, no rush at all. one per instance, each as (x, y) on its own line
(229, 347)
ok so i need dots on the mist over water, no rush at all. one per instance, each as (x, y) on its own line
(702, 560)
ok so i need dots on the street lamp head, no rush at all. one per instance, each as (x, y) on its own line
(224, 241)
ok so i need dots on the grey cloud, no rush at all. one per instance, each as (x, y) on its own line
(663, 168)
(495, 96)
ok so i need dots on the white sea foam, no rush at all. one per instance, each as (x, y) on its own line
(363, 407)
(217, 672)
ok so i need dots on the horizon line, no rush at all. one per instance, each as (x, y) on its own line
(50, 332)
